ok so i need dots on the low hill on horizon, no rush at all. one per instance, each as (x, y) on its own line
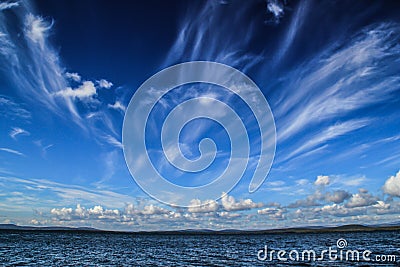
(310, 229)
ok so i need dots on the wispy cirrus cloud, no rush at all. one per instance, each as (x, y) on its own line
(316, 101)
(16, 131)
(45, 192)
(321, 99)
(204, 35)
(113, 141)
(8, 5)
(11, 110)
(34, 67)
(330, 133)
(295, 25)
(341, 80)
(12, 151)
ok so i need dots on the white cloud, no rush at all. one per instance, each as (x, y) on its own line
(361, 199)
(18, 131)
(338, 196)
(366, 80)
(130, 209)
(64, 213)
(117, 106)
(340, 210)
(64, 193)
(318, 198)
(310, 201)
(34, 68)
(329, 133)
(196, 205)
(35, 222)
(392, 185)
(12, 151)
(382, 207)
(11, 110)
(190, 39)
(274, 213)
(80, 212)
(84, 92)
(43, 147)
(278, 183)
(230, 204)
(113, 141)
(37, 29)
(152, 210)
(322, 180)
(275, 7)
(292, 30)
(104, 84)
(8, 5)
(73, 76)
(302, 182)
(348, 181)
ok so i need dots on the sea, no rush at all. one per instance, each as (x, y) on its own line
(69, 248)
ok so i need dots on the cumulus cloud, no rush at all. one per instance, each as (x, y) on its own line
(73, 76)
(340, 210)
(105, 84)
(152, 209)
(274, 213)
(338, 196)
(322, 180)
(382, 207)
(361, 199)
(319, 197)
(63, 213)
(392, 185)
(196, 205)
(97, 212)
(18, 131)
(130, 209)
(84, 92)
(230, 204)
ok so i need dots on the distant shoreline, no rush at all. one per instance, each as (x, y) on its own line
(309, 230)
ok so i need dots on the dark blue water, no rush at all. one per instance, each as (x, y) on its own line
(19, 248)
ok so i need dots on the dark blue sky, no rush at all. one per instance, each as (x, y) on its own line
(328, 69)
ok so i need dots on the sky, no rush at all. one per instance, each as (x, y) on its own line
(330, 71)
